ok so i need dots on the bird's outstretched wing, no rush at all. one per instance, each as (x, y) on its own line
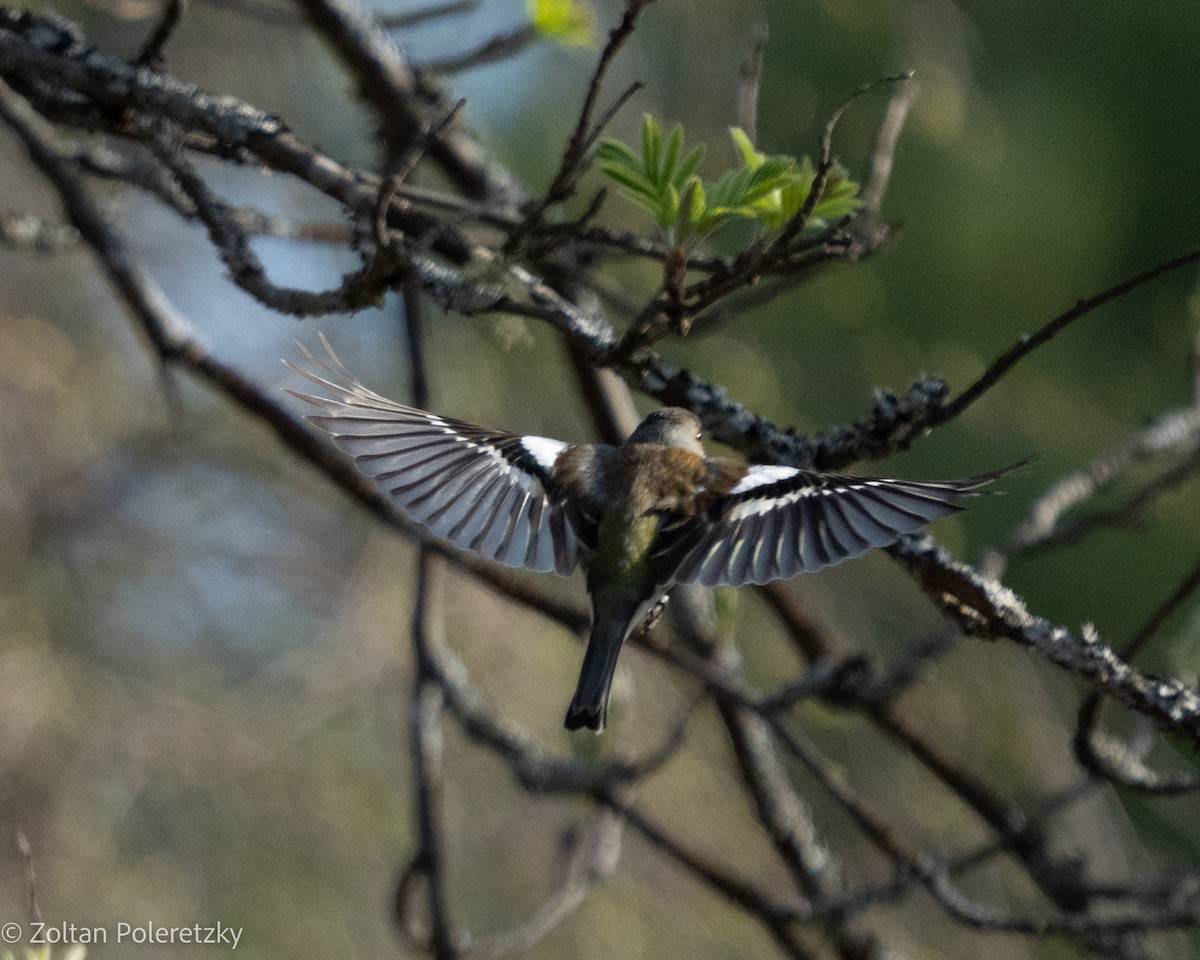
(483, 490)
(775, 522)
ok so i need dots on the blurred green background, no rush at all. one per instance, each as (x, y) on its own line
(203, 648)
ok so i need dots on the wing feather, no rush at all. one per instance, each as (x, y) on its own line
(513, 548)
(819, 555)
(764, 547)
(483, 490)
(840, 529)
(774, 522)
(872, 528)
(742, 552)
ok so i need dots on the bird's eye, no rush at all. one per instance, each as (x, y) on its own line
(698, 435)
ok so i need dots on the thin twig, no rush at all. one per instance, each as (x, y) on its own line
(883, 156)
(570, 166)
(577, 143)
(1107, 758)
(407, 19)
(425, 716)
(502, 46)
(358, 289)
(1127, 513)
(1014, 828)
(151, 54)
(774, 916)
(402, 167)
(425, 738)
(1030, 342)
(403, 102)
(592, 859)
(1175, 431)
(826, 161)
(278, 13)
(749, 78)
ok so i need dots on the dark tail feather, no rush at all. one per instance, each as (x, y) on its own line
(589, 707)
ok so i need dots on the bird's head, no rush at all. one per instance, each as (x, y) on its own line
(671, 427)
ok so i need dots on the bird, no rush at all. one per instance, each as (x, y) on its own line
(641, 516)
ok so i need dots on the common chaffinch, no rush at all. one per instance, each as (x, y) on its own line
(642, 516)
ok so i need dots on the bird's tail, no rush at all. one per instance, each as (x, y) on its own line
(610, 629)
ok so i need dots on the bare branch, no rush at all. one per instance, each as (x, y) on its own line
(423, 15)
(1127, 513)
(825, 164)
(883, 157)
(570, 167)
(502, 46)
(425, 734)
(404, 102)
(286, 15)
(985, 608)
(172, 15)
(360, 289)
(592, 860)
(1030, 342)
(749, 76)
(1106, 757)
(774, 916)
(428, 698)
(1178, 430)
(402, 166)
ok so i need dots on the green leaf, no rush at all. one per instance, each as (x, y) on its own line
(669, 214)
(633, 181)
(729, 189)
(657, 179)
(774, 175)
(569, 22)
(692, 223)
(674, 145)
(614, 151)
(653, 206)
(690, 162)
(750, 157)
(838, 199)
(651, 144)
(835, 208)
(693, 204)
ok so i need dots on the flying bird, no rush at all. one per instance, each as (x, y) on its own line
(641, 517)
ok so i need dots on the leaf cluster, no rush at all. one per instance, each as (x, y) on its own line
(768, 189)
